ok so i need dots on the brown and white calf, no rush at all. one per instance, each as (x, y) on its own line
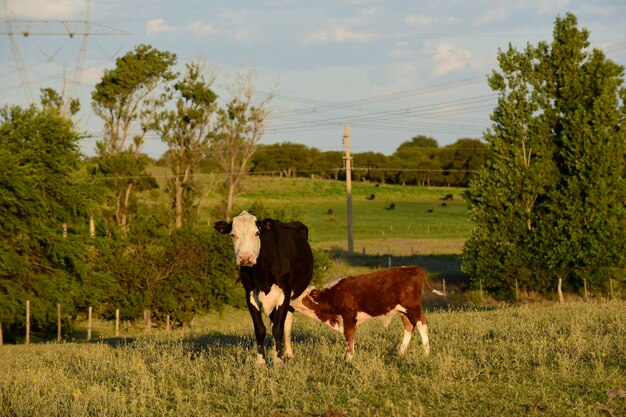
(349, 301)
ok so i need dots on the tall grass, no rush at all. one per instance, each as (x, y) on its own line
(551, 361)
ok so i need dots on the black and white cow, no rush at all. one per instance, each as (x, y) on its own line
(276, 266)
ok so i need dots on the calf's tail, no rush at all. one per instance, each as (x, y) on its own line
(421, 273)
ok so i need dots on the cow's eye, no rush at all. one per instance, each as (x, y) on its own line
(232, 235)
(257, 233)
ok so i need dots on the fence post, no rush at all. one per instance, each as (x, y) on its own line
(168, 326)
(117, 322)
(1, 340)
(516, 290)
(560, 291)
(389, 261)
(147, 321)
(586, 294)
(610, 288)
(58, 322)
(444, 287)
(27, 322)
(89, 324)
(480, 282)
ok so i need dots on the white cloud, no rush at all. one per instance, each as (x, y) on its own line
(157, 26)
(416, 20)
(338, 35)
(46, 9)
(449, 58)
(202, 28)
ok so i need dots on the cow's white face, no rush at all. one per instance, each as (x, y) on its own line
(246, 241)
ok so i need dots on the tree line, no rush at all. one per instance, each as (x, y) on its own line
(419, 161)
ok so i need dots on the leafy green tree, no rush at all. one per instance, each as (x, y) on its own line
(39, 152)
(178, 273)
(369, 166)
(185, 129)
(549, 203)
(461, 160)
(284, 159)
(125, 99)
(418, 159)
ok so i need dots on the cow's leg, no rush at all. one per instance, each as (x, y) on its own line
(349, 331)
(259, 331)
(278, 331)
(288, 324)
(417, 317)
(422, 327)
(406, 339)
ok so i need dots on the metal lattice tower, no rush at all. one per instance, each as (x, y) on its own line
(15, 28)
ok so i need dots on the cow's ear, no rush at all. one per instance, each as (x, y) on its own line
(265, 225)
(314, 294)
(223, 227)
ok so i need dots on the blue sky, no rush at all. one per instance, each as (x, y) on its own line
(391, 69)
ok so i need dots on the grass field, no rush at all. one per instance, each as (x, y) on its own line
(567, 360)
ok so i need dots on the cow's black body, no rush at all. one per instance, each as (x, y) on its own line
(285, 260)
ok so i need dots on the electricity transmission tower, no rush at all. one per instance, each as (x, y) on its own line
(16, 28)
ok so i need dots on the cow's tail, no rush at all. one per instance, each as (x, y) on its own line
(421, 273)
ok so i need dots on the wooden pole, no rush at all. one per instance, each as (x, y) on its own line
(1, 340)
(348, 158)
(610, 288)
(480, 283)
(92, 227)
(27, 322)
(559, 291)
(89, 323)
(516, 290)
(444, 287)
(58, 322)
(146, 319)
(117, 322)
(586, 294)
(168, 326)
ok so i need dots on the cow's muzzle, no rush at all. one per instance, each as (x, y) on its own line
(246, 260)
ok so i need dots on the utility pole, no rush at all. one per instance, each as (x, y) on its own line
(348, 159)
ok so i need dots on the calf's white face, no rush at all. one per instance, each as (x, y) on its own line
(245, 235)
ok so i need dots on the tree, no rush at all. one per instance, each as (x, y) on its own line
(418, 161)
(39, 152)
(549, 203)
(124, 100)
(461, 160)
(50, 98)
(185, 130)
(239, 128)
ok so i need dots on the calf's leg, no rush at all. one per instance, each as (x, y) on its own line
(349, 332)
(418, 319)
(406, 339)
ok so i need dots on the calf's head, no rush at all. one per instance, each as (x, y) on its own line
(244, 231)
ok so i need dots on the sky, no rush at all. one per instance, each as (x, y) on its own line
(389, 69)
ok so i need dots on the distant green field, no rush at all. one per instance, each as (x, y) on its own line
(418, 213)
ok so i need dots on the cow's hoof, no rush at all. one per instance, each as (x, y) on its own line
(278, 363)
(260, 362)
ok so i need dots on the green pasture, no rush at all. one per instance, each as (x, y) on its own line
(559, 360)
(418, 212)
